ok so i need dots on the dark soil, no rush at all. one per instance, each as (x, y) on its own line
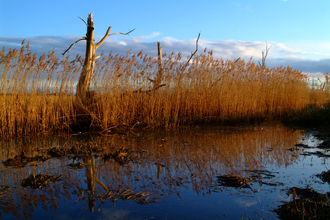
(233, 181)
(325, 176)
(77, 165)
(21, 160)
(305, 204)
(40, 180)
(141, 197)
(122, 156)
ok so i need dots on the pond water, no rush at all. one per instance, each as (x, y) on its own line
(165, 174)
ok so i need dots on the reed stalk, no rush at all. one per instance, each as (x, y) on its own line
(37, 96)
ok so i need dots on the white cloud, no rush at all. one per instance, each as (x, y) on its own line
(279, 54)
(170, 39)
(123, 43)
(141, 38)
(279, 47)
(322, 54)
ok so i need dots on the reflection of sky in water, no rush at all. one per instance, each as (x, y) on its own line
(180, 169)
(302, 173)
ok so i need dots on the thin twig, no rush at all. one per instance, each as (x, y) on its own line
(67, 50)
(83, 21)
(122, 33)
(253, 192)
(107, 35)
(150, 90)
(135, 125)
(254, 211)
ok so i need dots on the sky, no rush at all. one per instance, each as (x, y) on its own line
(297, 31)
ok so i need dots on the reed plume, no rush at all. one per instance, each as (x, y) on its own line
(37, 96)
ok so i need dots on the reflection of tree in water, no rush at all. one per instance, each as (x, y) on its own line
(92, 179)
(170, 163)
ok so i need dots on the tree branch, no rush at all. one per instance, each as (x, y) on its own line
(192, 53)
(83, 21)
(150, 90)
(196, 48)
(67, 50)
(104, 38)
(107, 35)
(122, 33)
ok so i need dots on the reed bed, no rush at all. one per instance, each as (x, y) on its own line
(37, 96)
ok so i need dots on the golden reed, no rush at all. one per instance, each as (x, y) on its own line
(37, 95)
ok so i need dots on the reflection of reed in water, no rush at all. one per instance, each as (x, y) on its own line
(198, 157)
(170, 162)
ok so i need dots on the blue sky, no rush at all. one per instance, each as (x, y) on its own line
(297, 30)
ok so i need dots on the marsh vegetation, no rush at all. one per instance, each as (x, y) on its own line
(124, 163)
(37, 94)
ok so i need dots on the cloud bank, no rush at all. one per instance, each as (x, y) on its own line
(279, 54)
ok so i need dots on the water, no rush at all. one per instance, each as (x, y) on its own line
(171, 175)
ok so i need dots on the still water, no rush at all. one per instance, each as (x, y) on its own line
(165, 174)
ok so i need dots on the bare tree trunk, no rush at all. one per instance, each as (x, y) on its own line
(90, 57)
(160, 73)
(264, 56)
(83, 94)
(157, 82)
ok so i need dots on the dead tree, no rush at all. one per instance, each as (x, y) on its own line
(160, 73)
(264, 56)
(90, 58)
(159, 77)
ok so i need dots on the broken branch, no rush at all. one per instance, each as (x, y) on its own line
(82, 38)
(196, 48)
(150, 90)
(192, 53)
